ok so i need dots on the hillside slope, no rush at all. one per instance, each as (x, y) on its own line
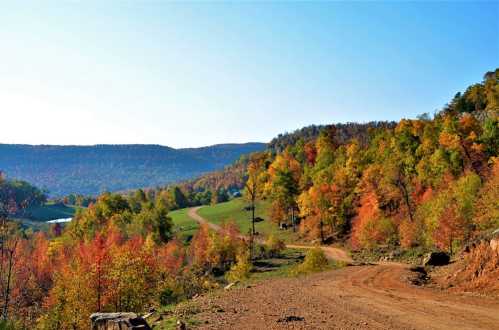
(94, 169)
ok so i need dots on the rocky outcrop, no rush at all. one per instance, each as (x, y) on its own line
(118, 321)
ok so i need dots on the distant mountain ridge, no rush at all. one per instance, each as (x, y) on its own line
(94, 169)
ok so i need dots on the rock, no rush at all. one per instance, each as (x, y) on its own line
(118, 321)
(291, 318)
(181, 325)
(494, 244)
(419, 275)
(436, 259)
(230, 285)
(283, 226)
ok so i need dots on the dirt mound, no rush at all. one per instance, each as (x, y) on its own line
(478, 271)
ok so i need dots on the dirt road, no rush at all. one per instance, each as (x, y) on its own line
(193, 214)
(355, 297)
(331, 252)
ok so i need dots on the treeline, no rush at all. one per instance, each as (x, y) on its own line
(231, 178)
(343, 134)
(428, 182)
(75, 199)
(211, 188)
(180, 196)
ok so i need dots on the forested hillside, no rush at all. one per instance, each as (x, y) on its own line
(210, 188)
(427, 182)
(215, 186)
(88, 170)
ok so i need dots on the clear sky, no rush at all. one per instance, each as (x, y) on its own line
(193, 74)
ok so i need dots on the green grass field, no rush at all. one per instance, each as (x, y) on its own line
(184, 226)
(36, 217)
(50, 211)
(233, 210)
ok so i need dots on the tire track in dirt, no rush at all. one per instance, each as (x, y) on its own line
(356, 297)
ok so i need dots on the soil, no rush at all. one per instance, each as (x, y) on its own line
(381, 296)
(355, 297)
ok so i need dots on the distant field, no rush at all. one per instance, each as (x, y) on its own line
(50, 211)
(36, 217)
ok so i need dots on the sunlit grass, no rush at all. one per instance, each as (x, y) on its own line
(234, 211)
(184, 226)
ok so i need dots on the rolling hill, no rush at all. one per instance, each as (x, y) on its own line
(91, 170)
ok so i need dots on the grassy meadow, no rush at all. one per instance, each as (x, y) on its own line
(233, 210)
(184, 226)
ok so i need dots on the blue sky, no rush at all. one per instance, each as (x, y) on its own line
(193, 74)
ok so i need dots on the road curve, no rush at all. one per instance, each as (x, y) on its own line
(357, 297)
(193, 214)
(330, 252)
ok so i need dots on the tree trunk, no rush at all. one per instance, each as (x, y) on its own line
(331, 225)
(322, 231)
(253, 213)
(5, 309)
(250, 245)
(405, 193)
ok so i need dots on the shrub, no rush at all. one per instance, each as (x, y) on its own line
(315, 261)
(241, 270)
(167, 296)
(377, 231)
(191, 282)
(274, 246)
(6, 325)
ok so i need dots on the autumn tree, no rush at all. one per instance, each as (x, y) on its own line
(253, 186)
(315, 207)
(487, 205)
(283, 186)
